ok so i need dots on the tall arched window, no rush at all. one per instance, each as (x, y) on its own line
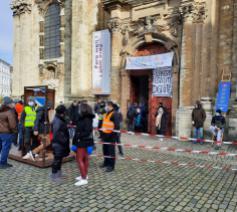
(52, 32)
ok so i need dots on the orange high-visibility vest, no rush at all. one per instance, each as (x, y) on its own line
(108, 125)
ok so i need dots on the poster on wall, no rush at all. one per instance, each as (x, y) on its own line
(223, 96)
(101, 62)
(162, 82)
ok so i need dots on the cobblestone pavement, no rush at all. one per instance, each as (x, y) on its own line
(133, 186)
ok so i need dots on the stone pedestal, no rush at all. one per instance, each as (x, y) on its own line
(184, 122)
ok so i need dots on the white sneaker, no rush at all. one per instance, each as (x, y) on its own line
(32, 156)
(27, 156)
(80, 178)
(81, 183)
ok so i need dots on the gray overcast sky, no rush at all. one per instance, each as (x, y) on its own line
(6, 31)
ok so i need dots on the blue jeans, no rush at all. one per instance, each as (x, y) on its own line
(198, 133)
(5, 146)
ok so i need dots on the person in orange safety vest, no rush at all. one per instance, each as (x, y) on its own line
(110, 123)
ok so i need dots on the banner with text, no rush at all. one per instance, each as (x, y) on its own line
(162, 82)
(223, 96)
(150, 62)
(101, 62)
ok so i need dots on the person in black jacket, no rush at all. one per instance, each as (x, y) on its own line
(60, 143)
(111, 122)
(72, 114)
(217, 127)
(82, 140)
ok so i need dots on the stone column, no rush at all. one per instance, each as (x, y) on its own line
(183, 115)
(84, 20)
(68, 49)
(186, 65)
(16, 77)
(213, 75)
(116, 63)
(197, 61)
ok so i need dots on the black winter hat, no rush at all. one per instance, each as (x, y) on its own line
(61, 109)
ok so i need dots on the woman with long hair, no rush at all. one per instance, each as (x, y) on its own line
(82, 140)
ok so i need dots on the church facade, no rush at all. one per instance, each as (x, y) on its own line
(53, 46)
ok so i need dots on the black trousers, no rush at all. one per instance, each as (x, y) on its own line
(109, 153)
(57, 164)
(30, 140)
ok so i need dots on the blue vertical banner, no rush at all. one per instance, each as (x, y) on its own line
(223, 96)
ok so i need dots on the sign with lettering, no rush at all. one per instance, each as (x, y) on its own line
(101, 62)
(162, 82)
(150, 62)
(223, 96)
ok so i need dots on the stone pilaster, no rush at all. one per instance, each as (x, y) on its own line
(197, 52)
(68, 49)
(186, 65)
(84, 20)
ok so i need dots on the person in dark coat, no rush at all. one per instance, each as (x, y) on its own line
(217, 127)
(120, 148)
(72, 114)
(110, 123)
(161, 120)
(60, 143)
(198, 119)
(131, 113)
(82, 140)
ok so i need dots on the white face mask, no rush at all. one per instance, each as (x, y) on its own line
(31, 103)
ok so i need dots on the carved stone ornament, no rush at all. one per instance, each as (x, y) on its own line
(49, 70)
(114, 24)
(43, 4)
(199, 12)
(20, 6)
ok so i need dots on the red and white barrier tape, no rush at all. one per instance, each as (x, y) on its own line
(179, 138)
(173, 162)
(173, 149)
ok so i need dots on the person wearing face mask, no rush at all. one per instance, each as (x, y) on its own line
(217, 127)
(8, 127)
(27, 120)
(110, 123)
(60, 143)
(72, 114)
(198, 119)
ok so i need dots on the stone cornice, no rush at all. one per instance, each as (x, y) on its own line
(20, 7)
(193, 10)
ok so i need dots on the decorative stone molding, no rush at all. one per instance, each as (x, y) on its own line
(114, 24)
(20, 7)
(49, 70)
(199, 12)
(43, 4)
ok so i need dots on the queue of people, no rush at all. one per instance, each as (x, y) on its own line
(36, 122)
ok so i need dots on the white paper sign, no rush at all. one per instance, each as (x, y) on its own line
(150, 62)
(162, 82)
(101, 62)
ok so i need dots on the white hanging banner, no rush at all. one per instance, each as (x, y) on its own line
(101, 60)
(162, 82)
(150, 62)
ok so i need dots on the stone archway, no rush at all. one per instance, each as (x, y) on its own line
(140, 47)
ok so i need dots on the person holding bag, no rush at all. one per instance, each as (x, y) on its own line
(83, 140)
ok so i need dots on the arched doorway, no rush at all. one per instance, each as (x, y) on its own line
(141, 89)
